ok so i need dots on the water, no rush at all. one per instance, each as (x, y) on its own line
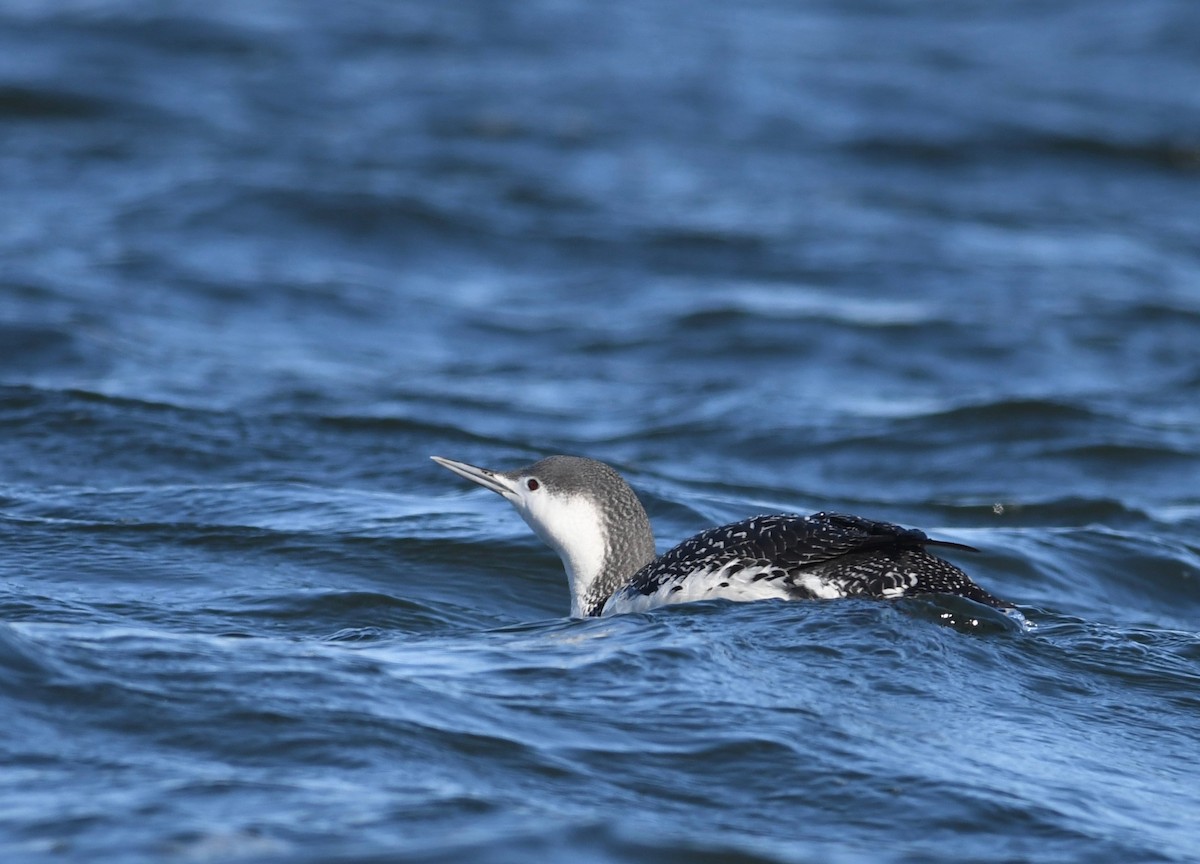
(934, 264)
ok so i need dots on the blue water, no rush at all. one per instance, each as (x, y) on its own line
(931, 263)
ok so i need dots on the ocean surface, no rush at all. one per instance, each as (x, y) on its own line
(933, 263)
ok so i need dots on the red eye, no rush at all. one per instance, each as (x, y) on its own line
(532, 484)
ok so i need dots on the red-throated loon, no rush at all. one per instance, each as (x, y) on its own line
(586, 512)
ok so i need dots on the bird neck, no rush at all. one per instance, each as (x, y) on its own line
(602, 542)
(625, 546)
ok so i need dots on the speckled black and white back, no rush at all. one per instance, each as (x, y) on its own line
(822, 556)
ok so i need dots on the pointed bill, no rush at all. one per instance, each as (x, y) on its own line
(497, 482)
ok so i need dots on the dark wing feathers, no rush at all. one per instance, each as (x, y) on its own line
(861, 534)
(808, 540)
(860, 555)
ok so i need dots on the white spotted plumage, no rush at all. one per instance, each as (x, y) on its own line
(705, 583)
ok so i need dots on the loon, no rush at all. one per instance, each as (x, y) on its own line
(586, 512)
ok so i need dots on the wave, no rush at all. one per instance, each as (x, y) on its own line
(22, 661)
(19, 103)
(1148, 148)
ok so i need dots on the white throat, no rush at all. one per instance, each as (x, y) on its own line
(572, 526)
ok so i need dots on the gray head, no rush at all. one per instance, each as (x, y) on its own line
(584, 511)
